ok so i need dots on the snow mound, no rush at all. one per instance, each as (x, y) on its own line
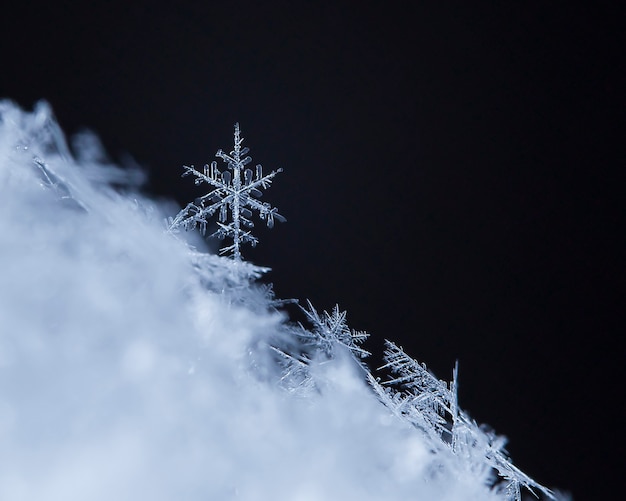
(134, 368)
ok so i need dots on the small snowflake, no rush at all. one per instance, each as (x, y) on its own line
(331, 329)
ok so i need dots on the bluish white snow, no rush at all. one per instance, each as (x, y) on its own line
(132, 367)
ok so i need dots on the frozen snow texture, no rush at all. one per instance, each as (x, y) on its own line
(231, 194)
(431, 405)
(132, 368)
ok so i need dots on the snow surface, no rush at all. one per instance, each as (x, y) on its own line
(126, 374)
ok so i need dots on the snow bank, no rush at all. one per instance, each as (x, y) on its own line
(126, 374)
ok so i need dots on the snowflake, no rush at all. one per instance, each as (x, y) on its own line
(331, 330)
(231, 193)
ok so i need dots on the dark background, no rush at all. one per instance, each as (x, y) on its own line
(452, 177)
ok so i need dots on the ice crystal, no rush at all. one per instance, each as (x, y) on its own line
(432, 405)
(330, 330)
(232, 194)
(304, 351)
(295, 373)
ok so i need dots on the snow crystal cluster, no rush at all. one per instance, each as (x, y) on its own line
(135, 366)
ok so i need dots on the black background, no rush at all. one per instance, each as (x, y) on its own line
(452, 177)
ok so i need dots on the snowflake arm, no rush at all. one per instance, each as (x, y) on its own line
(296, 376)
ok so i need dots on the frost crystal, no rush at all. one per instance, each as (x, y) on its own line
(331, 330)
(304, 351)
(426, 398)
(432, 405)
(231, 193)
